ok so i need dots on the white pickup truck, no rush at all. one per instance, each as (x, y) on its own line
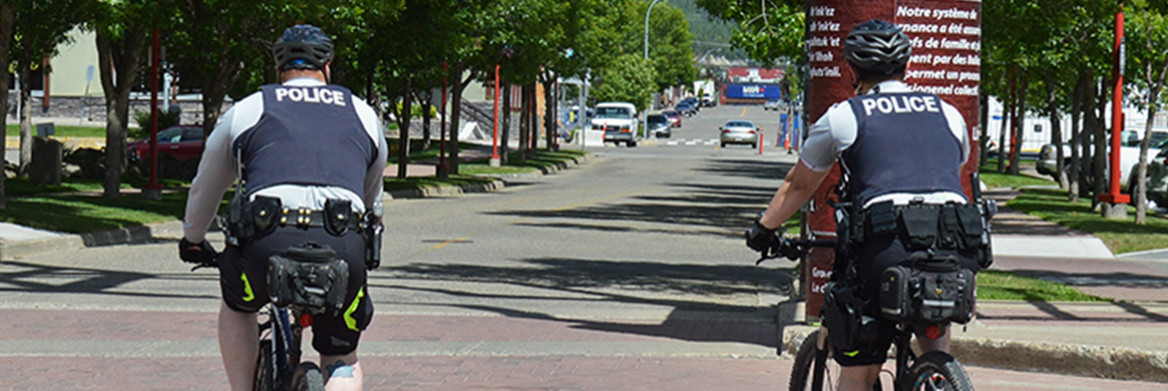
(1129, 155)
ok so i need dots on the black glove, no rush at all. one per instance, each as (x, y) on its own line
(760, 238)
(198, 253)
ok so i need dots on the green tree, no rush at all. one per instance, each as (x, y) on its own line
(670, 45)
(1147, 68)
(122, 28)
(769, 31)
(41, 25)
(629, 79)
(7, 25)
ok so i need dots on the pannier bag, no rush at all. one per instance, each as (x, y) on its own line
(309, 276)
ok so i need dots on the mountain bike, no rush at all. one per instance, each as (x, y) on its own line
(278, 365)
(815, 368)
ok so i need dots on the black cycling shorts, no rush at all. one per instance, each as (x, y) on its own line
(875, 255)
(243, 280)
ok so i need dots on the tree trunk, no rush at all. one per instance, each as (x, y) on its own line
(403, 123)
(1007, 109)
(505, 123)
(215, 92)
(25, 118)
(1077, 151)
(1019, 124)
(1141, 185)
(7, 24)
(524, 122)
(550, 116)
(455, 119)
(1056, 128)
(1099, 155)
(118, 59)
(426, 116)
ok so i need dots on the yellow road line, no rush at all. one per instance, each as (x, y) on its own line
(444, 244)
(743, 114)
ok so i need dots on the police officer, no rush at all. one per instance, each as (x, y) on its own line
(303, 142)
(894, 145)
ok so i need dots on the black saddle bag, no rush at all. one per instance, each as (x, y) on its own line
(928, 291)
(309, 276)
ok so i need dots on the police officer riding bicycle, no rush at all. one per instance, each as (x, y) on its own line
(901, 154)
(309, 157)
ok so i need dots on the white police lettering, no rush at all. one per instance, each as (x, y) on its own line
(311, 95)
(901, 104)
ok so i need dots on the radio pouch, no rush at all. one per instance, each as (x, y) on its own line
(239, 220)
(309, 276)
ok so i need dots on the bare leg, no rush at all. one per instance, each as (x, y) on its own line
(239, 345)
(858, 378)
(342, 373)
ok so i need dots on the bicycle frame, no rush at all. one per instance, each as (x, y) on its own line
(284, 335)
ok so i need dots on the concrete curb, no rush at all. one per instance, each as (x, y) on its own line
(1059, 358)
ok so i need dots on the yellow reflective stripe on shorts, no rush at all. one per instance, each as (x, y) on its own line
(349, 321)
(248, 295)
(853, 353)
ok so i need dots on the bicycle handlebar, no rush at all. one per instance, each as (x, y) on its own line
(212, 263)
(793, 249)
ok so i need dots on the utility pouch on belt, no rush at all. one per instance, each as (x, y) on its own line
(919, 223)
(265, 212)
(881, 219)
(843, 314)
(970, 222)
(309, 276)
(337, 214)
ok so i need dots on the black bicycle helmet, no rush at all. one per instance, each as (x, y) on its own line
(303, 46)
(877, 47)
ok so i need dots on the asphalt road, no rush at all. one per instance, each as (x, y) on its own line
(628, 273)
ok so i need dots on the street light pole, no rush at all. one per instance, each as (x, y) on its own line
(645, 123)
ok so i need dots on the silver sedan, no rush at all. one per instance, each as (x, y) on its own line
(737, 131)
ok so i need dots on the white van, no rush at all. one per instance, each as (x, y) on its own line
(618, 121)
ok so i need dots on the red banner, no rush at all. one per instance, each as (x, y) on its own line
(946, 39)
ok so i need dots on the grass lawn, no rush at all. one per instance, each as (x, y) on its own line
(86, 213)
(999, 285)
(993, 179)
(1121, 236)
(62, 130)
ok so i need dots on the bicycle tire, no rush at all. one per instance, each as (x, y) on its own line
(810, 360)
(937, 371)
(307, 377)
(264, 379)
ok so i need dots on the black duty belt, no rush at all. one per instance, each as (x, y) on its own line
(304, 217)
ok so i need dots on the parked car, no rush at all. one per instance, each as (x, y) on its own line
(660, 125)
(618, 121)
(737, 131)
(773, 104)
(1129, 155)
(686, 109)
(674, 117)
(692, 101)
(179, 150)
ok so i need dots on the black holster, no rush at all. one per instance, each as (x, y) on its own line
(373, 230)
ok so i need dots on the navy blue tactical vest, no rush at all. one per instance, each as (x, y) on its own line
(903, 145)
(306, 136)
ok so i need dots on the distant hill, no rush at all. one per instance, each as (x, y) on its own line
(708, 33)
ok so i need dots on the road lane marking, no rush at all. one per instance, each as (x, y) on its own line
(463, 239)
(743, 114)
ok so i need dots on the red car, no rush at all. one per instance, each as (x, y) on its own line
(179, 150)
(674, 117)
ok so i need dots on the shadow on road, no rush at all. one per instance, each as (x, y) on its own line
(34, 278)
(619, 282)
